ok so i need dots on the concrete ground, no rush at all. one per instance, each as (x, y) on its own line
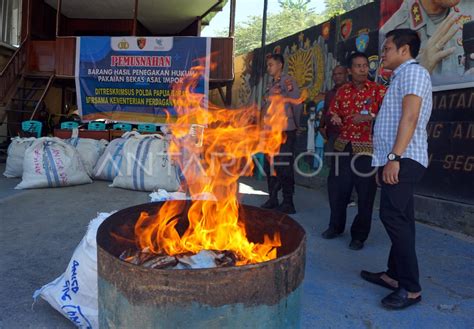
(40, 229)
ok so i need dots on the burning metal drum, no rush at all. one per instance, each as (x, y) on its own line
(263, 295)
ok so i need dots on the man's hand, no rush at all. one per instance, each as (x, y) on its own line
(323, 132)
(336, 120)
(358, 118)
(433, 52)
(300, 131)
(390, 172)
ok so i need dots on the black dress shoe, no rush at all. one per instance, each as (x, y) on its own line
(330, 234)
(356, 244)
(270, 204)
(287, 208)
(398, 300)
(375, 278)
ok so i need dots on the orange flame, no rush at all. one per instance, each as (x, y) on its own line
(230, 139)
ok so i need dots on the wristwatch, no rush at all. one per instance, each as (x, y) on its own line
(393, 157)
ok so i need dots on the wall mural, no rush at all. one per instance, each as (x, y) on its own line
(447, 42)
(312, 54)
(447, 51)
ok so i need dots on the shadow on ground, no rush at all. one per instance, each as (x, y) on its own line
(40, 229)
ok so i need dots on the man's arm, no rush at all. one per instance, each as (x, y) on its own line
(334, 108)
(294, 92)
(411, 107)
(380, 93)
(327, 101)
(382, 90)
(416, 87)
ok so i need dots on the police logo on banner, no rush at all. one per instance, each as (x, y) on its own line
(346, 28)
(362, 41)
(373, 65)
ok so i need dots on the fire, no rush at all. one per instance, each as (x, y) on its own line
(229, 140)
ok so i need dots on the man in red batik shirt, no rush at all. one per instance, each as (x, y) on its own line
(354, 109)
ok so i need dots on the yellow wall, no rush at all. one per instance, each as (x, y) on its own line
(241, 91)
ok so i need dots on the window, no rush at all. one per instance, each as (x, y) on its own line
(10, 22)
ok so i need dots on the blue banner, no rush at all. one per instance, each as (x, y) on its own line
(130, 79)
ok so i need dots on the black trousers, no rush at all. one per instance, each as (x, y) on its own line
(347, 172)
(284, 177)
(329, 148)
(398, 216)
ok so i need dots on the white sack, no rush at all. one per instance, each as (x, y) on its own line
(74, 293)
(16, 153)
(108, 165)
(89, 149)
(51, 162)
(147, 166)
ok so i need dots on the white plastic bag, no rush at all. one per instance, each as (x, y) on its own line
(51, 162)
(147, 165)
(108, 165)
(163, 195)
(89, 149)
(16, 153)
(74, 293)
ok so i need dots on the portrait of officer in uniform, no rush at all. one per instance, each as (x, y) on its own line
(439, 24)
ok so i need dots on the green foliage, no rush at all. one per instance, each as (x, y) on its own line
(338, 7)
(295, 16)
(300, 5)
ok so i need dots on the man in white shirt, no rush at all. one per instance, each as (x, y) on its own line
(401, 154)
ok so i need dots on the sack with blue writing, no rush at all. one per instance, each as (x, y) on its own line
(147, 165)
(90, 150)
(74, 293)
(51, 162)
(108, 165)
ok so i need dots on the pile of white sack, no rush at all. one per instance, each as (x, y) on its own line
(134, 161)
(45, 162)
(146, 165)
